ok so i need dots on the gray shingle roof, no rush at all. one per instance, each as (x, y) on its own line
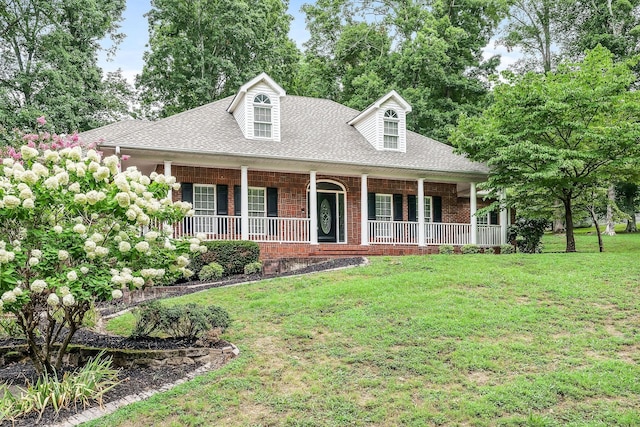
(312, 130)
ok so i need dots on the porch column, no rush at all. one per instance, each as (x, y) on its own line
(472, 211)
(244, 203)
(313, 208)
(503, 217)
(421, 235)
(119, 158)
(364, 211)
(167, 173)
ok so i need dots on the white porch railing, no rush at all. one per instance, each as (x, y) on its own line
(296, 230)
(402, 232)
(261, 229)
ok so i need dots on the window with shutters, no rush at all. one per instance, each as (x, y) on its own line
(262, 116)
(204, 199)
(384, 212)
(428, 209)
(257, 209)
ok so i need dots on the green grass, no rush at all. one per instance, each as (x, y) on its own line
(481, 340)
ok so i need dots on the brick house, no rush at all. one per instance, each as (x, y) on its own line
(310, 177)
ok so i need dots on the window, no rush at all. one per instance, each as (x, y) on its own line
(257, 208)
(204, 199)
(390, 130)
(384, 212)
(262, 116)
(204, 206)
(428, 210)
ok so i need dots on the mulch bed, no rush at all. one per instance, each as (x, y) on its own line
(134, 381)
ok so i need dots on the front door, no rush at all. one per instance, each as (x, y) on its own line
(327, 224)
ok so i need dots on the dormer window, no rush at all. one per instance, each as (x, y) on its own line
(262, 116)
(390, 134)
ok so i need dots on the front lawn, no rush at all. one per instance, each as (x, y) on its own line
(549, 339)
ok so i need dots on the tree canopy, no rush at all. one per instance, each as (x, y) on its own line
(48, 63)
(203, 50)
(557, 135)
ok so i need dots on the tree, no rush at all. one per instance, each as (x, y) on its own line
(75, 230)
(430, 51)
(48, 63)
(628, 198)
(556, 135)
(203, 50)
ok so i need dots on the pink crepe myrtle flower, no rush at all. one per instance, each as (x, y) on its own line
(41, 120)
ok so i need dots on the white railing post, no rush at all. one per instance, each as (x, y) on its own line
(472, 210)
(244, 203)
(421, 231)
(503, 217)
(313, 207)
(364, 211)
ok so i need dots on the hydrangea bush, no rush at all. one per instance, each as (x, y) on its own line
(74, 229)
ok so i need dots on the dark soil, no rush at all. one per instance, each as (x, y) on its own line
(134, 381)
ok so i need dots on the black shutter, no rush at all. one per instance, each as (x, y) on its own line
(187, 192)
(187, 196)
(237, 208)
(412, 201)
(371, 206)
(397, 207)
(437, 209)
(237, 200)
(493, 218)
(272, 209)
(222, 199)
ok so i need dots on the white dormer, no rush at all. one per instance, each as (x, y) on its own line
(256, 108)
(384, 123)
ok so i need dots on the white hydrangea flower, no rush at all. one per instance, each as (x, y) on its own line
(131, 214)
(36, 253)
(25, 193)
(124, 246)
(17, 291)
(175, 186)
(9, 297)
(90, 246)
(6, 256)
(84, 270)
(1, 305)
(51, 156)
(51, 183)
(186, 272)
(72, 276)
(38, 285)
(74, 187)
(194, 248)
(101, 251)
(80, 198)
(10, 201)
(63, 290)
(63, 255)
(144, 180)
(57, 229)
(93, 155)
(68, 300)
(138, 282)
(182, 261)
(33, 261)
(123, 199)
(53, 300)
(116, 294)
(151, 236)
(101, 174)
(28, 152)
(40, 170)
(79, 228)
(96, 237)
(93, 167)
(28, 204)
(142, 246)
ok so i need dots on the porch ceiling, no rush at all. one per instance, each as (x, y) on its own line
(146, 161)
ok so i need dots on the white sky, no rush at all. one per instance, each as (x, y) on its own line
(128, 58)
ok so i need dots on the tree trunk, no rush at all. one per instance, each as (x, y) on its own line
(558, 223)
(631, 225)
(571, 240)
(594, 218)
(611, 196)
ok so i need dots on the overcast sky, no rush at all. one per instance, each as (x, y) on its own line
(135, 27)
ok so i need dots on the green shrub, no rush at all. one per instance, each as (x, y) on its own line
(507, 249)
(489, 251)
(253, 268)
(178, 321)
(231, 255)
(9, 327)
(211, 271)
(470, 249)
(527, 234)
(446, 249)
(87, 384)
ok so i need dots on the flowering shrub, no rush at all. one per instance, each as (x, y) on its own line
(75, 229)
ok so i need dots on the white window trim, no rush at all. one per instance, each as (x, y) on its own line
(395, 120)
(196, 208)
(266, 106)
(262, 225)
(430, 198)
(384, 230)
